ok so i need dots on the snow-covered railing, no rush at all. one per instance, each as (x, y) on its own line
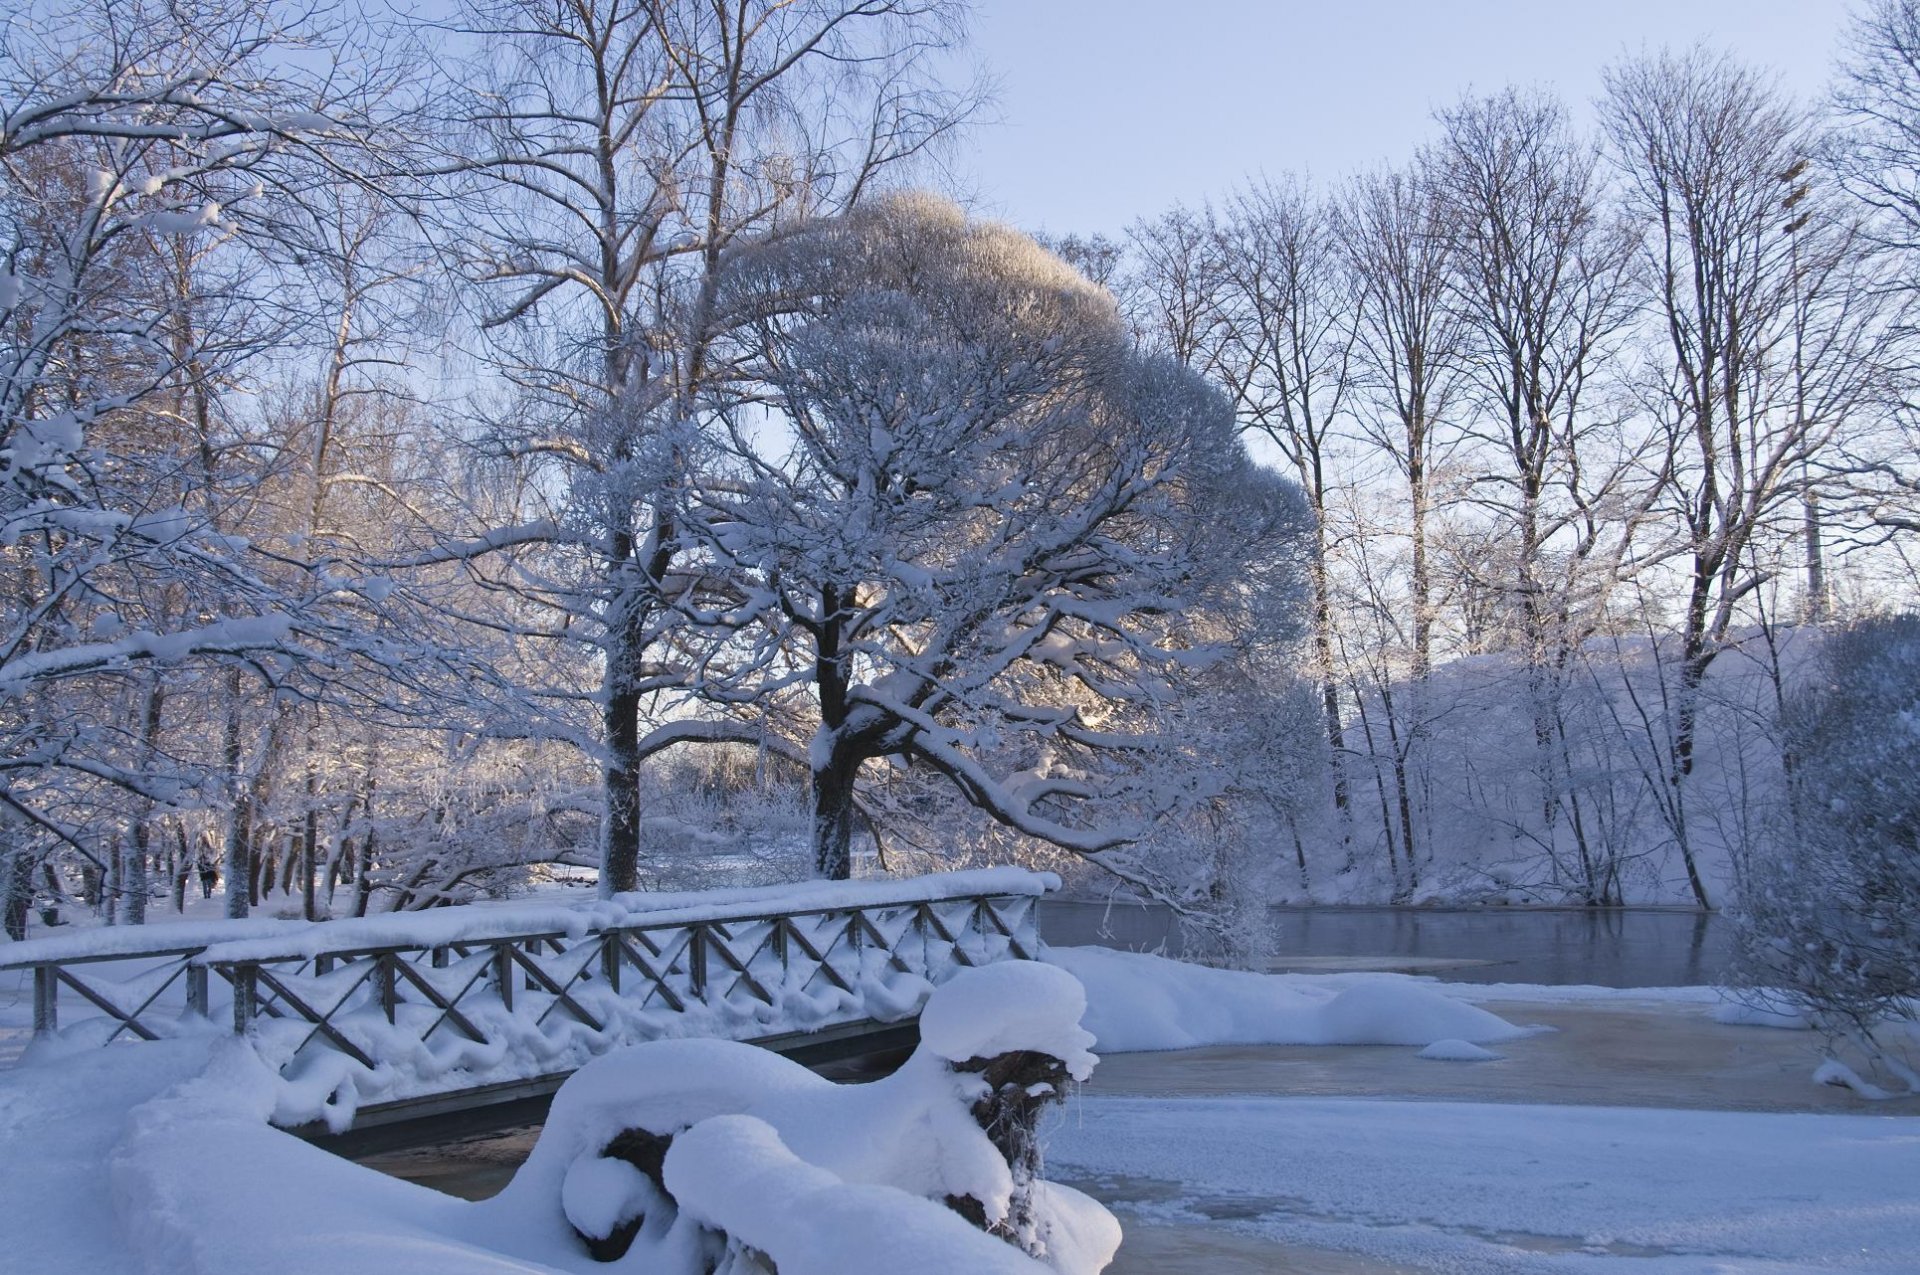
(437, 1001)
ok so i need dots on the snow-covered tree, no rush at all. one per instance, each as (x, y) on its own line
(148, 151)
(1831, 918)
(1774, 334)
(985, 534)
(602, 161)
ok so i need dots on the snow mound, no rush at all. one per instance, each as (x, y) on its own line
(1458, 1051)
(734, 1174)
(840, 1179)
(813, 1173)
(1382, 1013)
(1009, 1006)
(1740, 1013)
(598, 1194)
(1138, 1002)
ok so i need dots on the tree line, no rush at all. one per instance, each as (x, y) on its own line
(1582, 415)
(554, 436)
(435, 452)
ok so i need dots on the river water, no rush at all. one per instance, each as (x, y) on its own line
(1602, 947)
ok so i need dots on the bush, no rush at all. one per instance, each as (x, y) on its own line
(1831, 919)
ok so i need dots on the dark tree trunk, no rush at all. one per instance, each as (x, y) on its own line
(620, 719)
(837, 763)
(16, 892)
(241, 890)
(833, 818)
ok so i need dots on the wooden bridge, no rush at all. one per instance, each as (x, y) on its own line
(471, 1014)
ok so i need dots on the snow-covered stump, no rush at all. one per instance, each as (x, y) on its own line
(727, 1160)
(1021, 1085)
(1015, 1031)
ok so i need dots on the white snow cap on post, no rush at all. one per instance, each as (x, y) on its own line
(1006, 1007)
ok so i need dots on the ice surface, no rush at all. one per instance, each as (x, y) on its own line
(1451, 1186)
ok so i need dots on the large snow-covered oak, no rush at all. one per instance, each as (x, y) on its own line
(985, 533)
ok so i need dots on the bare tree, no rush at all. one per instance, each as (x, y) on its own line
(1407, 351)
(1283, 314)
(1540, 275)
(610, 155)
(1771, 336)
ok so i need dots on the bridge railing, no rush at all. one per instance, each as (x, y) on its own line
(435, 1001)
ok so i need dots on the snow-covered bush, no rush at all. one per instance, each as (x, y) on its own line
(1831, 919)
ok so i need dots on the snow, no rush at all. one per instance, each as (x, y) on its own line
(599, 1193)
(765, 1150)
(1483, 1188)
(1457, 1051)
(1771, 1013)
(262, 939)
(159, 1158)
(1140, 1002)
(734, 1174)
(1009, 1006)
(162, 1158)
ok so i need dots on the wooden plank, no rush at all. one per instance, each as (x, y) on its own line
(115, 1011)
(319, 1021)
(559, 993)
(46, 1000)
(659, 979)
(794, 935)
(447, 1011)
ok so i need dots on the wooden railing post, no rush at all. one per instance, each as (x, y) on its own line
(610, 959)
(697, 960)
(46, 1000)
(197, 990)
(503, 972)
(246, 995)
(383, 983)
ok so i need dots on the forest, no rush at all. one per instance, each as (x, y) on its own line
(590, 442)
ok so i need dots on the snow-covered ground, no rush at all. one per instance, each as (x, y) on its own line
(159, 1157)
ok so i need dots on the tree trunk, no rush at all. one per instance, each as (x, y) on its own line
(234, 865)
(16, 891)
(833, 817)
(620, 849)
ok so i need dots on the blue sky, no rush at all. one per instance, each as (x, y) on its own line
(1114, 109)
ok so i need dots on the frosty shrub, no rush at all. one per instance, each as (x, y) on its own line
(1831, 919)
